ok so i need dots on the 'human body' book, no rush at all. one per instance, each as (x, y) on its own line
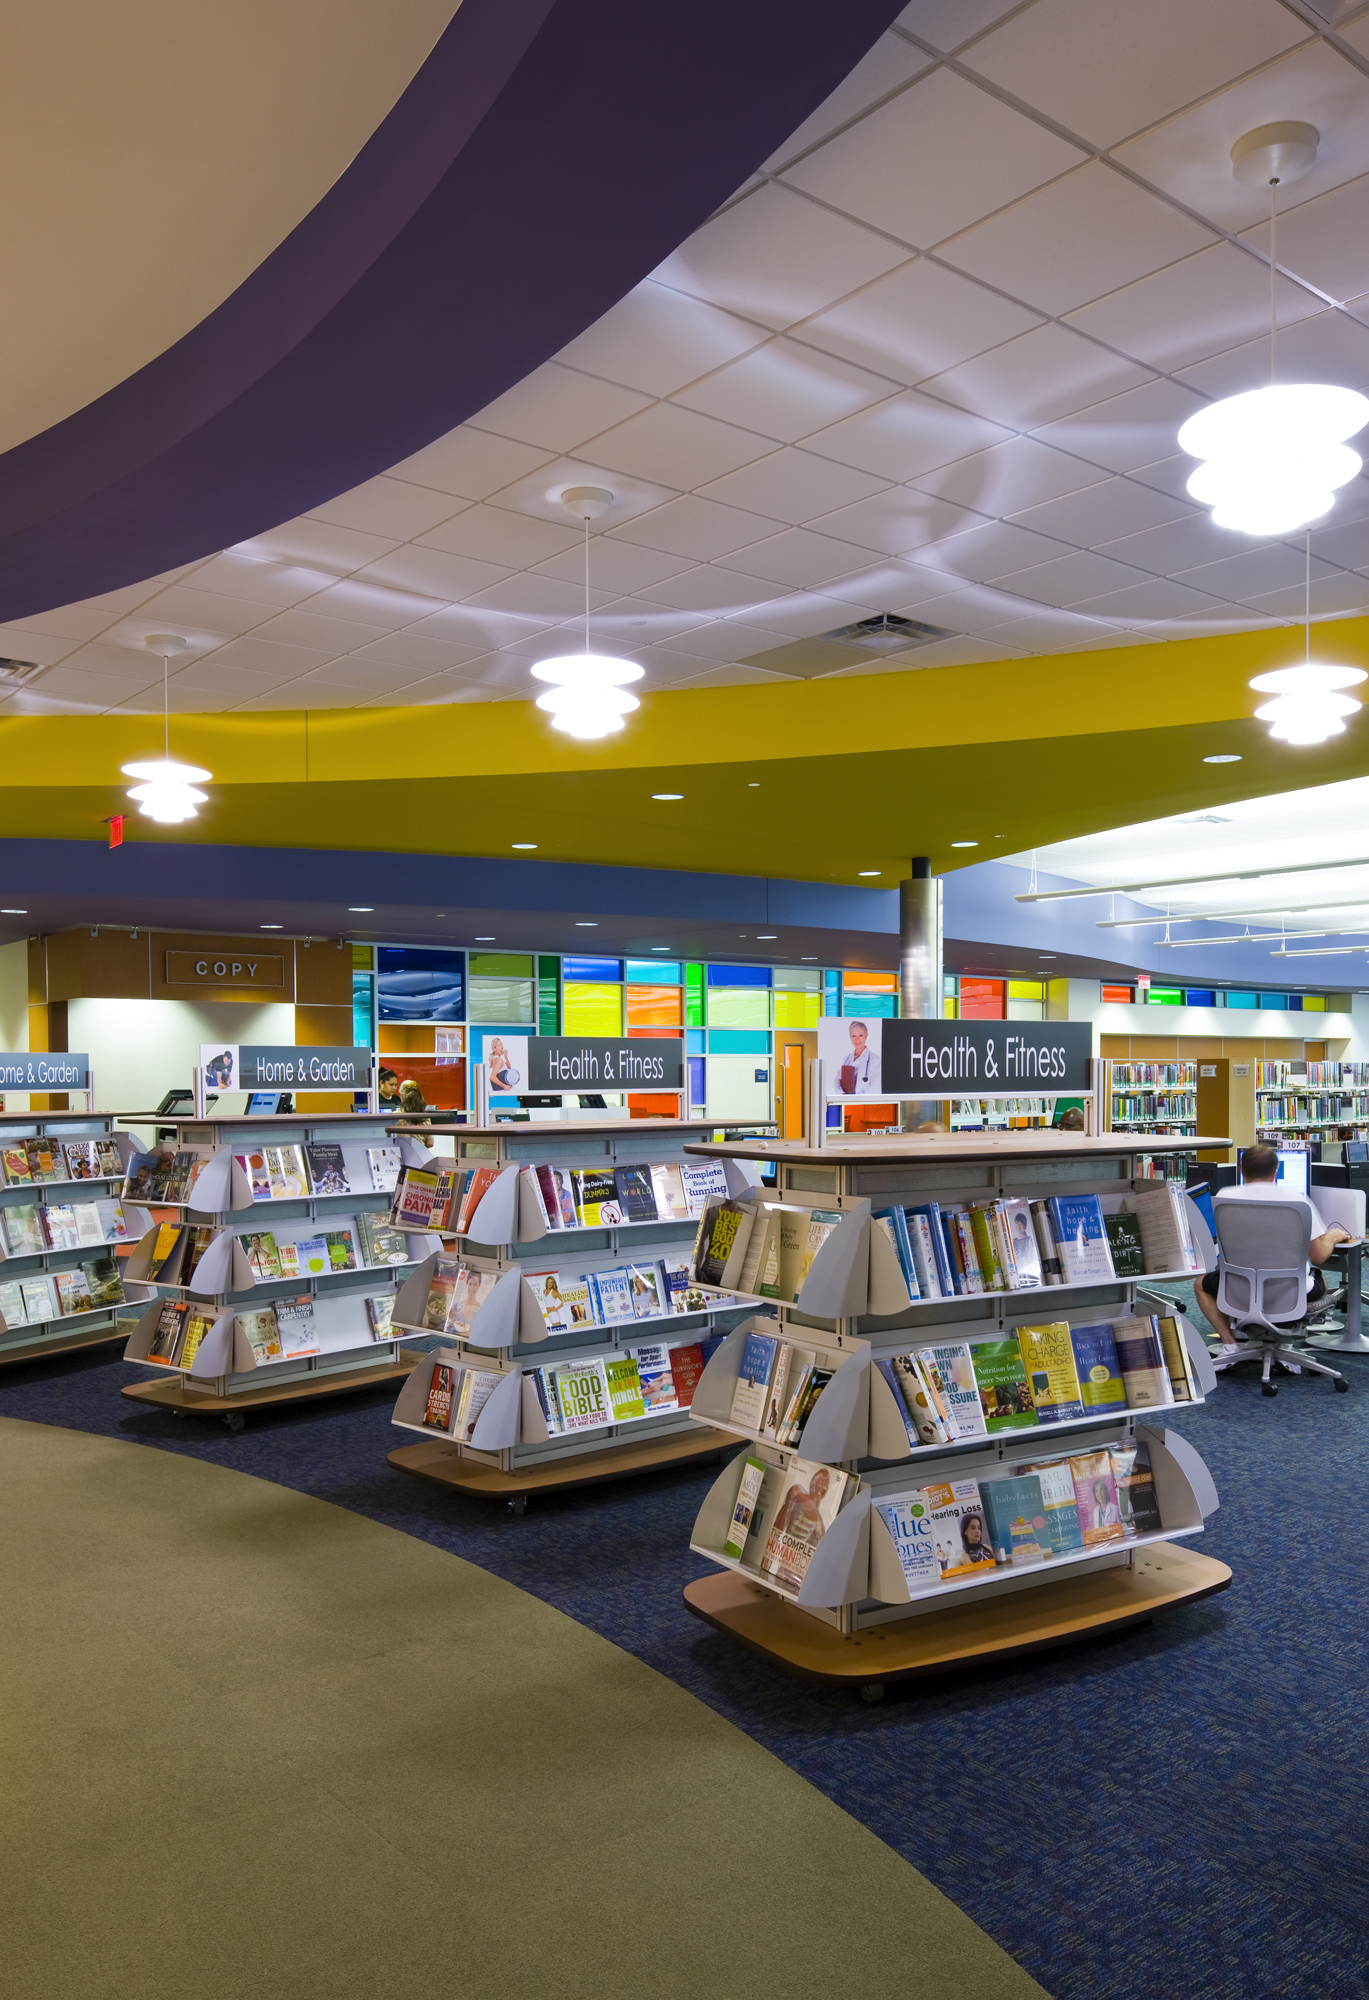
(909, 1521)
(1048, 1358)
(1004, 1391)
(807, 1499)
(1142, 1361)
(753, 1380)
(962, 1543)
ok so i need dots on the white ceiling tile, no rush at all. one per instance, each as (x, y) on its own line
(468, 463)
(418, 655)
(1080, 237)
(74, 623)
(1105, 68)
(707, 588)
(892, 62)
(303, 626)
(88, 691)
(1040, 376)
(1104, 513)
(670, 445)
(1123, 432)
(885, 586)
(541, 599)
(777, 258)
(1160, 599)
(539, 494)
(265, 583)
(116, 602)
(190, 612)
(299, 695)
(614, 565)
(440, 690)
(1190, 156)
(798, 558)
(694, 527)
(948, 23)
(260, 656)
(1255, 571)
(906, 437)
(317, 545)
(1071, 579)
(1019, 473)
(895, 521)
(809, 612)
(359, 674)
(1340, 541)
(392, 507)
(974, 607)
(638, 625)
(1327, 347)
(122, 662)
(991, 550)
(1168, 475)
(727, 639)
(657, 340)
(370, 603)
(433, 573)
(1195, 308)
(916, 321)
(558, 408)
(792, 486)
(891, 169)
(1335, 596)
(785, 389)
(1325, 240)
(732, 676)
(501, 535)
(1049, 634)
(20, 643)
(1179, 545)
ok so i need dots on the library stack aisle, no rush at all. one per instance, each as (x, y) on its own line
(853, 1621)
(343, 1350)
(511, 1454)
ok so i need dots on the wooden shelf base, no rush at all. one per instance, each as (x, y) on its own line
(965, 1634)
(440, 1464)
(31, 1350)
(170, 1393)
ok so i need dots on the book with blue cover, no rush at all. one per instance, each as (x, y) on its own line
(1100, 1373)
(753, 1380)
(612, 1296)
(944, 1271)
(1085, 1254)
(1060, 1502)
(886, 1369)
(903, 1244)
(1015, 1514)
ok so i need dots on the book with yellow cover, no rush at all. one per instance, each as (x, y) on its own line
(1048, 1357)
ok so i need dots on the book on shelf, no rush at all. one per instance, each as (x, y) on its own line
(476, 1387)
(1141, 1358)
(1052, 1270)
(384, 1163)
(260, 1249)
(636, 1195)
(198, 1323)
(46, 1160)
(954, 1362)
(297, 1327)
(327, 1170)
(73, 1292)
(924, 1361)
(84, 1162)
(148, 1174)
(645, 1283)
(1059, 1501)
(793, 1370)
(667, 1189)
(901, 1402)
(342, 1249)
(22, 1227)
(1004, 1391)
(441, 1291)
(798, 1505)
(261, 1333)
(167, 1253)
(759, 1275)
(1077, 1225)
(909, 1521)
(960, 1243)
(14, 1164)
(989, 1250)
(437, 1407)
(704, 1182)
(60, 1225)
(759, 1350)
(612, 1297)
(415, 1193)
(720, 1245)
(686, 1366)
(471, 1195)
(1095, 1490)
(924, 1253)
(1100, 1372)
(1015, 1515)
(682, 1294)
(1022, 1240)
(894, 1222)
(1162, 1218)
(1048, 1357)
(624, 1382)
(12, 1302)
(381, 1243)
(380, 1311)
(656, 1378)
(801, 1403)
(185, 1170)
(103, 1279)
(904, 1375)
(749, 1483)
(558, 1197)
(1124, 1240)
(1135, 1484)
(962, 1542)
(934, 1234)
(311, 1254)
(253, 1165)
(596, 1197)
(166, 1334)
(37, 1296)
(816, 1229)
(287, 1173)
(1175, 1349)
(581, 1395)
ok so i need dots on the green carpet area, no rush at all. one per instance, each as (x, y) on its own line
(256, 1745)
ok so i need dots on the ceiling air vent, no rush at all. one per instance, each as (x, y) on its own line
(14, 673)
(884, 636)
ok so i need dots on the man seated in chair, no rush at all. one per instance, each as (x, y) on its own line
(1260, 1182)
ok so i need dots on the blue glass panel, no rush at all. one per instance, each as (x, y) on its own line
(608, 969)
(739, 975)
(739, 1041)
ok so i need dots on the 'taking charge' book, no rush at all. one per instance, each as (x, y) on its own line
(1049, 1360)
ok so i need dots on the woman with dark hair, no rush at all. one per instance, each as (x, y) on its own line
(972, 1539)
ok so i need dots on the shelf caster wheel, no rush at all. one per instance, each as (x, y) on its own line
(1340, 1387)
(1268, 1389)
(518, 1506)
(237, 1421)
(872, 1691)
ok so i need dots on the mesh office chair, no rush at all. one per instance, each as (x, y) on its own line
(1262, 1283)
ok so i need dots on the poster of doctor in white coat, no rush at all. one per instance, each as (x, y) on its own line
(850, 1054)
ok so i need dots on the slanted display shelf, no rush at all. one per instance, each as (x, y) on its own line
(848, 1614)
(628, 1374)
(275, 1279)
(61, 1224)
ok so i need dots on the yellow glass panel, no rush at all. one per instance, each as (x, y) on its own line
(797, 1010)
(950, 1009)
(738, 1007)
(589, 1008)
(1313, 1003)
(1025, 989)
(655, 1007)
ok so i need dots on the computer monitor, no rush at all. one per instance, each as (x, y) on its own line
(1356, 1152)
(1293, 1169)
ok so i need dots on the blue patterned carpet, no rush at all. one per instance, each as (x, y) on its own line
(1175, 1813)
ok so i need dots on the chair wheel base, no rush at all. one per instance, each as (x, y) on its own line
(1268, 1389)
(1341, 1388)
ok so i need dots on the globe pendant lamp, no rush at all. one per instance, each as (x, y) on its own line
(1310, 704)
(167, 792)
(588, 697)
(1274, 457)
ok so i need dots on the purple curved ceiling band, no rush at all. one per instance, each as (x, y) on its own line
(546, 157)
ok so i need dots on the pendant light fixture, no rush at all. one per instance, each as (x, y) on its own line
(1310, 704)
(1274, 457)
(588, 697)
(167, 791)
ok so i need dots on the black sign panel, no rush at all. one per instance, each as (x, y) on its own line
(985, 1058)
(595, 1063)
(42, 1070)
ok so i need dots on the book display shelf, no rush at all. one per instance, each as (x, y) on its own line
(848, 1614)
(1313, 1100)
(61, 1223)
(274, 1278)
(1154, 1097)
(539, 1406)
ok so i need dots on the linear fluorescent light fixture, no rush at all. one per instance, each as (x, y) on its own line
(1190, 881)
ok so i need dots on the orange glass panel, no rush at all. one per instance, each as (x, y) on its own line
(981, 1000)
(654, 1006)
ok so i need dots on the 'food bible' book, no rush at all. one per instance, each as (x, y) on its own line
(909, 1521)
(1004, 1391)
(1100, 1373)
(1049, 1360)
(581, 1395)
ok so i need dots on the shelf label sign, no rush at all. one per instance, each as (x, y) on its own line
(868, 1057)
(532, 1064)
(43, 1069)
(235, 1066)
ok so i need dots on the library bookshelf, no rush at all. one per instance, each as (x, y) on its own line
(340, 1351)
(1311, 1100)
(511, 1454)
(853, 1621)
(41, 1329)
